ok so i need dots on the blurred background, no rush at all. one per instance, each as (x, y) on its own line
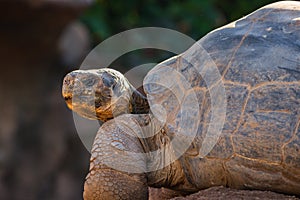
(41, 155)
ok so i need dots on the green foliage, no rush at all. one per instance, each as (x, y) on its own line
(192, 17)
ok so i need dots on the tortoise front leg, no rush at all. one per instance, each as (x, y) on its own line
(112, 148)
(109, 184)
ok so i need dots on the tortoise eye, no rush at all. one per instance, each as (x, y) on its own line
(108, 80)
(97, 104)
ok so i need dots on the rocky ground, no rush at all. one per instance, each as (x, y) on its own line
(221, 193)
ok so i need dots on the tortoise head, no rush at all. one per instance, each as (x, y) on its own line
(97, 94)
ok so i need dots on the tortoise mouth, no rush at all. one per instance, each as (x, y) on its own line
(68, 100)
(89, 107)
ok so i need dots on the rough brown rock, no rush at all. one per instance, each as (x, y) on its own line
(221, 193)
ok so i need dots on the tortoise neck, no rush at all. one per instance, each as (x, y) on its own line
(139, 103)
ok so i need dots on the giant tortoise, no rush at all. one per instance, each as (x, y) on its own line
(195, 127)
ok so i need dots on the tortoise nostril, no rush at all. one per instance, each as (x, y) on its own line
(69, 79)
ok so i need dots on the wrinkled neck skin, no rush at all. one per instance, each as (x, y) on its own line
(160, 154)
(139, 102)
(126, 134)
(132, 102)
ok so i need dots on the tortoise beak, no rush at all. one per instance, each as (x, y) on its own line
(68, 85)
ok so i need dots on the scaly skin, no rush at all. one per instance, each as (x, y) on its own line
(104, 182)
(120, 136)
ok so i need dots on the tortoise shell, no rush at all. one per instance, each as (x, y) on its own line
(253, 66)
